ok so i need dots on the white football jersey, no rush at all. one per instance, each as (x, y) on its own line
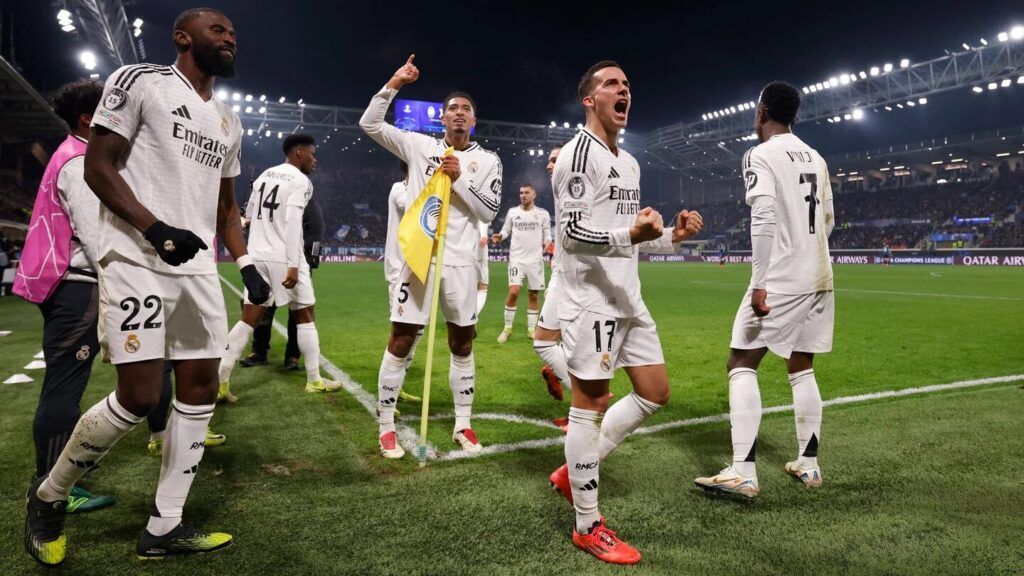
(530, 231)
(795, 175)
(393, 260)
(476, 195)
(273, 192)
(181, 146)
(598, 197)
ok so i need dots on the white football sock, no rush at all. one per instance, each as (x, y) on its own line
(389, 384)
(510, 317)
(807, 409)
(95, 434)
(622, 419)
(183, 449)
(412, 350)
(462, 379)
(481, 299)
(553, 355)
(584, 463)
(745, 418)
(237, 339)
(309, 346)
(531, 319)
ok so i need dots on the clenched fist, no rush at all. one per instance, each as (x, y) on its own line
(688, 224)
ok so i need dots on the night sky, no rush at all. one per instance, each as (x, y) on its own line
(521, 60)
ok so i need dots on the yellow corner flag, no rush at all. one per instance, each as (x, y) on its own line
(423, 222)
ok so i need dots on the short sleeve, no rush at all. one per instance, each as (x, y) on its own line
(233, 161)
(120, 108)
(758, 179)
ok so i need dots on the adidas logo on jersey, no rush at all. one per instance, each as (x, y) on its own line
(182, 111)
(613, 173)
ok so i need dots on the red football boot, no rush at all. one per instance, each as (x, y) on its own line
(604, 544)
(553, 383)
(560, 482)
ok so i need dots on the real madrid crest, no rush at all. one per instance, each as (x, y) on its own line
(606, 363)
(473, 167)
(132, 344)
(224, 125)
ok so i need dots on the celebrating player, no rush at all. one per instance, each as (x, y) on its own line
(476, 195)
(605, 324)
(789, 306)
(275, 245)
(529, 226)
(162, 159)
(548, 333)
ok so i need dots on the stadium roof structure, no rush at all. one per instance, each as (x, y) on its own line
(24, 114)
(105, 24)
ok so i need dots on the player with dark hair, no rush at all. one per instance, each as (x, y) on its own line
(529, 227)
(723, 254)
(605, 323)
(476, 196)
(886, 254)
(789, 307)
(162, 158)
(275, 244)
(58, 272)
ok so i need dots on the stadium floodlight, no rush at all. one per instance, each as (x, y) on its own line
(1003, 36)
(248, 132)
(807, 90)
(1020, 79)
(977, 89)
(263, 97)
(983, 42)
(63, 14)
(579, 126)
(911, 103)
(262, 109)
(300, 102)
(862, 74)
(874, 71)
(900, 106)
(236, 108)
(248, 97)
(88, 59)
(837, 119)
(532, 153)
(813, 88)
(732, 109)
(844, 79)
(67, 28)
(830, 121)
(137, 32)
(847, 116)
(267, 134)
(565, 125)
(887, 67)
(236, 96)
(248, 109)
(904, 63)
(833, 81)
(222, 94)
(1006, 82)
(853, 77)
(703, 116)
(922, 101)
(888, 108)
(1017, 33)
(937, 162)
(621, 140)
(552, 124)
(280, 135)
(857, 114)
(137, 23)
(966, 46)
(992, 85)
(280, 100)
(1001, 154)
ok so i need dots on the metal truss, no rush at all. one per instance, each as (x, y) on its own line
(105, 25)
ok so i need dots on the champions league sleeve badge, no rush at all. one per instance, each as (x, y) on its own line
(576, 187)
(115, 100)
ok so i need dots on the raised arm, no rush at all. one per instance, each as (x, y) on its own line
(372, 122)
(481, 191)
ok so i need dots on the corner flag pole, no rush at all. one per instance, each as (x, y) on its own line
(437, 263)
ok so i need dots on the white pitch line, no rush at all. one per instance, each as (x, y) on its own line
(889, 292)
(547, 442)
(406, 435)
(496, 416)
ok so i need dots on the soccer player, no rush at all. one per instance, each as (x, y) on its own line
(476, 195)
(605, 324)
(886, 254)
(789, 306)
(393, 260)
(548, 334)
(162, 159)
(723, 252)
(58, 272)
(275, 245)
(529, 226)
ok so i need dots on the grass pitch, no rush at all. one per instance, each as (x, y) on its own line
(923, 484)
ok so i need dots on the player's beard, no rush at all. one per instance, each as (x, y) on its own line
(213, 63)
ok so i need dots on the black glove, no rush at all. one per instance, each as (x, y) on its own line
(173, 245)
(259, 290)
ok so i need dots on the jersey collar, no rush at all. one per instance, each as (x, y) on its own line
(595, 138)
(183, 79)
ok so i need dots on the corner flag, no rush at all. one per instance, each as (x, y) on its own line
(423, 223)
